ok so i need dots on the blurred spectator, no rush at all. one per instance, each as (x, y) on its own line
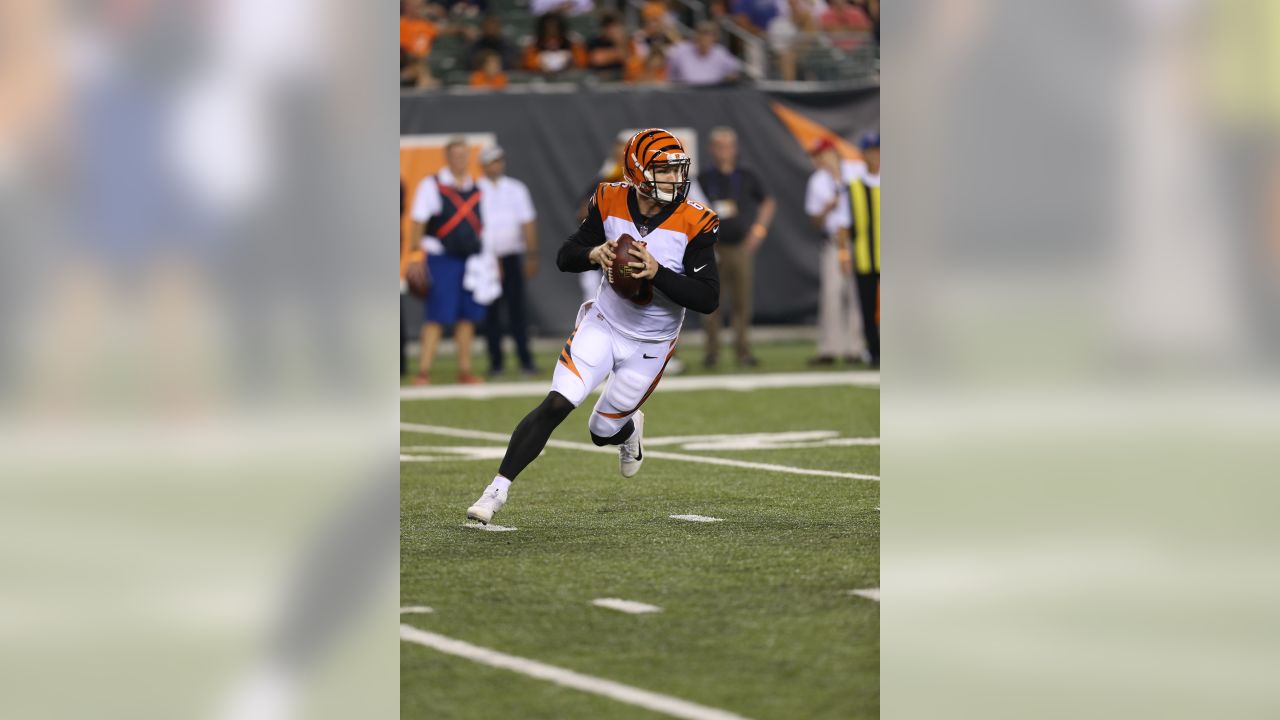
(846, 22)
(826, 202)
(612, 51)
(554, 49)
(418, 30)
(415, 73)
(872, 10)
(658, 32)
(845, 16)
(461, 8)
(863, 179)
(745, 209)
(652, 70)
(567, 7)
(659, 9)
(489, 74)
(447, 216)
(511, 235)
(754, 16)
(791, 32)
(702, 61)
(490, 37)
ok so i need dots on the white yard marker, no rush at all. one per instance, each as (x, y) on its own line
(856, 378)
(626, 606)
(415, 609)
(665, 704)
(869, 593)
(488, 528)
(609, 450)
(695, 518)
(445, 453)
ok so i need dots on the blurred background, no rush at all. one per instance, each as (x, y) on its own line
(554, 89)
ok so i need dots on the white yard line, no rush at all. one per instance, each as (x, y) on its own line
(488, 528)
(869, 593)
(856, 378)
(627, 606)
(665, 704)
(661, 454)
(775, 437)
(695, 518)
(416, 609)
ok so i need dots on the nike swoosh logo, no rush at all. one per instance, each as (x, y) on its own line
(649, 357)
(698, 268)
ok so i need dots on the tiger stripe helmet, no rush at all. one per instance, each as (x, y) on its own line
(650, 150)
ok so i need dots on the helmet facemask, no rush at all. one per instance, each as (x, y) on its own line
(667, 191)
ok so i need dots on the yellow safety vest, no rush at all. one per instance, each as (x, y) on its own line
(866, 227)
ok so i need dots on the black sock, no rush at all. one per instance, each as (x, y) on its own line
(617, 438)
(531, 435)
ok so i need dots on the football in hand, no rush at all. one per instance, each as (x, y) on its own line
(620, 278)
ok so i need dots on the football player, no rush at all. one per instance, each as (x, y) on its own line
(633, 338)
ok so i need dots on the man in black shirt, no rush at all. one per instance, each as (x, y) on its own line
(745, 211)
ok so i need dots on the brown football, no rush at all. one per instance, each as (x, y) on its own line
(620, 276)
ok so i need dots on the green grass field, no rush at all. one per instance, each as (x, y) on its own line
(757, 617)
(774, 357)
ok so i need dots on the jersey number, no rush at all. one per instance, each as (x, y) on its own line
(695, 205)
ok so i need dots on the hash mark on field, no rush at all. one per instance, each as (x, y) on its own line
(488, 528)
(626, 606)
(417, 609)
(869, 593)
(585, 447)
(665, 704)
(696, 518)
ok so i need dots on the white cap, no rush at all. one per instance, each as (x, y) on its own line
(491, 153)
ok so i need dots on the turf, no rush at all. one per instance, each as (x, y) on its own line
(774, 357)
(756, 617)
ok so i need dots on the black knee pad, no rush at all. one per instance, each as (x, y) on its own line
(617, 438)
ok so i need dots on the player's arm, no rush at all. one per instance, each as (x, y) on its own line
(698, 288)
(576, 253)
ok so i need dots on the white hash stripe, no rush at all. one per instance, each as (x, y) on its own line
(661, 454)
(665, 704)
(488, 528)
(626, 606)
(856, 378)
(696, 518)
(415, 609)
(869, 593)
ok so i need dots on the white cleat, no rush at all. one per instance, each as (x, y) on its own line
(483, 510)
(630, 454)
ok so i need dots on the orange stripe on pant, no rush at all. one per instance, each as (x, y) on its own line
(566, 358)
(647, 393)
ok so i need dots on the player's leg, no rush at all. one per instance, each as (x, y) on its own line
(584, 362)
(617, 418)
(470, 314)
(493, 333)
(441, 306)
(868, 291)
(830, 285)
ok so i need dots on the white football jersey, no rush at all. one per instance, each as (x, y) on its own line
(657, 317)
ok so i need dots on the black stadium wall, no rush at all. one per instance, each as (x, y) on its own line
(556, 142)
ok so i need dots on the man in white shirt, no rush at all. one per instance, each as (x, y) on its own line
(702, 61)
(446, 214)
(511, 235)
(826, 202)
